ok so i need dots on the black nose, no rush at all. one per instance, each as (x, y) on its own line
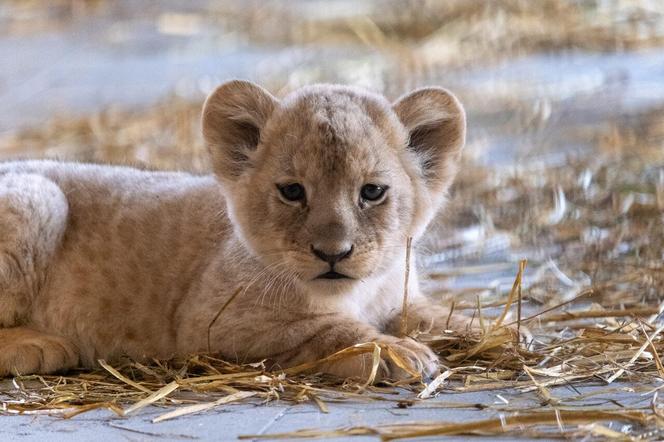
(332, 259)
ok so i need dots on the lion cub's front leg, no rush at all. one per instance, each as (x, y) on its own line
(318, 336)
(33, 216)
(425, 316)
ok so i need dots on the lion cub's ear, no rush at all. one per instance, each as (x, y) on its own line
(233, 117)
(436, 125)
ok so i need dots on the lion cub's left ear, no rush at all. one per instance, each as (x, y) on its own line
(436, 125)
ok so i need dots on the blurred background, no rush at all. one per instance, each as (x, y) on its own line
(542, 79)
(565, 100)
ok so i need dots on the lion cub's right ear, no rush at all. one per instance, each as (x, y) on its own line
(233, 117)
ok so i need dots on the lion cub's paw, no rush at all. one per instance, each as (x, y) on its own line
(417, 358)
(24, 351)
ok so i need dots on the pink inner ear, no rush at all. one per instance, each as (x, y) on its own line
(436, 122)
(437, 142)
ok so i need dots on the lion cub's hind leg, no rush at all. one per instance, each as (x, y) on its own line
(26, 351)
(33, 217)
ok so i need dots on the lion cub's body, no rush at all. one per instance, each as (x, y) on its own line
(134, 247)
(103, 261)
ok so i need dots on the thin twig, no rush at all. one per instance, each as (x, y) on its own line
(518, 316)
(404, 309)
(223, 307)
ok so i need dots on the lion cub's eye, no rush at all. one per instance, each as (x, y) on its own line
(292, 192)
(372, 192)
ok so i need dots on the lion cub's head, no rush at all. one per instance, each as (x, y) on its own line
(327, 184)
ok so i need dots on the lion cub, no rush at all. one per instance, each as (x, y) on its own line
(305, 221)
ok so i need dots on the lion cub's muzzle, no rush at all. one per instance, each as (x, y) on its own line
(332, 258)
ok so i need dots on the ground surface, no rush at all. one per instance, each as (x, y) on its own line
(232, 421)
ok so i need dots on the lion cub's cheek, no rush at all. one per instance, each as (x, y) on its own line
(264, 223)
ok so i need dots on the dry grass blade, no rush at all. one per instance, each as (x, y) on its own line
(630, 312)
(123, 378)
(638, 353)
(221, 310)
(154, 397)
(658, 361)
(240, 395)
(375, 365)
(487, 427)
(516, 288)
(356, 350)
(434, 385)
(89, 407)
(404, 307)
(497, 335)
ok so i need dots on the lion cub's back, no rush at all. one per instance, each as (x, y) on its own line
(101, 196)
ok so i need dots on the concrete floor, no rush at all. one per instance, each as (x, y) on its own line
(230, 421)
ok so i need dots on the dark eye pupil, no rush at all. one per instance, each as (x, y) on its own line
(292, 192)
(372, 192)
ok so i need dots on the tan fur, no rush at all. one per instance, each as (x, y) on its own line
(103, 261)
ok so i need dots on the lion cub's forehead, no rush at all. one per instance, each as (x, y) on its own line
(336, 130)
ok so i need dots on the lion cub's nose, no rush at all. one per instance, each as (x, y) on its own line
(331, 258)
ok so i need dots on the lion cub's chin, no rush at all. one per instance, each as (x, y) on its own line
(327, 287)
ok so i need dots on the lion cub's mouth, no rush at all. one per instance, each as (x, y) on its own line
(332, 275)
